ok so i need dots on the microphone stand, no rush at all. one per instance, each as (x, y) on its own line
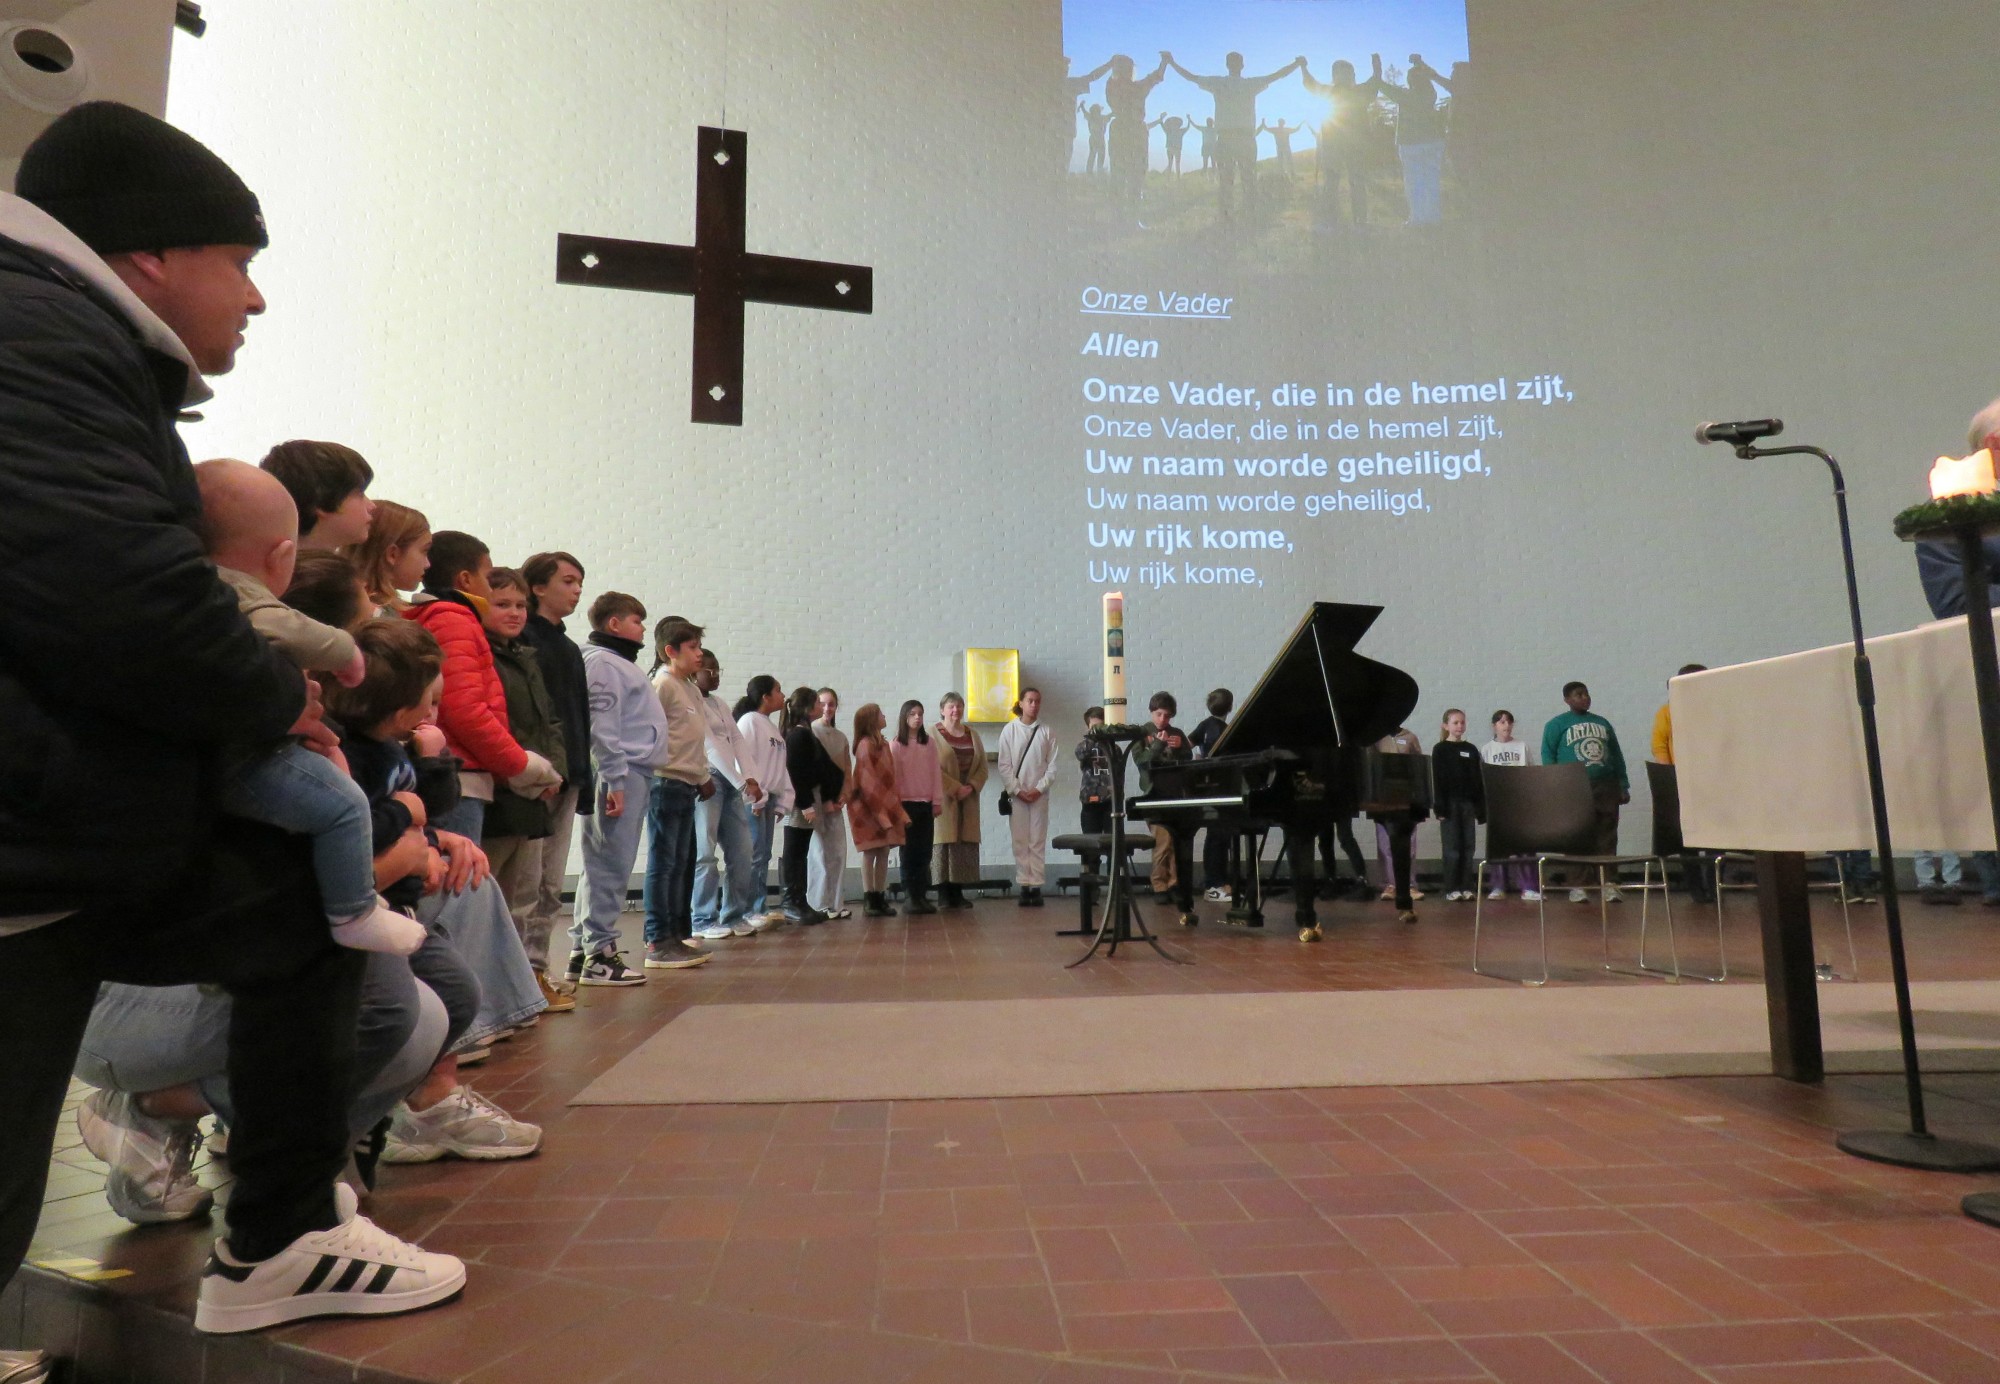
(1915, 1147)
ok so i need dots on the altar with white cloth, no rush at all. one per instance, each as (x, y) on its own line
(1769, 753)
(1769, 760)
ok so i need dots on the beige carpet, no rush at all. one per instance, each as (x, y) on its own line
(947, 1049)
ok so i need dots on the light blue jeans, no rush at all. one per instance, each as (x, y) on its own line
(724, 820)
(1937, 867)
(304, 793)
(763, 836)
(610, 846)
(481, 931)
(143, 1038)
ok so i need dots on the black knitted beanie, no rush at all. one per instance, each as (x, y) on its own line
(121, 180)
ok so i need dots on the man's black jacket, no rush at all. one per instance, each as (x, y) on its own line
(126, 671)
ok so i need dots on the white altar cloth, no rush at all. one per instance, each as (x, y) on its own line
(1769, 754)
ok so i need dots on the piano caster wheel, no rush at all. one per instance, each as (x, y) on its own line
(1309, 934)
(1190, 920)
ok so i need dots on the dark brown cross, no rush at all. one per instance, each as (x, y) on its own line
(717, 271)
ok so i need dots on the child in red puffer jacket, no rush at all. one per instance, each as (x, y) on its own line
(473, 711)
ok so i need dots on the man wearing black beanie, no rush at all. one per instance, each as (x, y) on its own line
(127, 678)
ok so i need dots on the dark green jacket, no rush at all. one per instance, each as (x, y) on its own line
(531, 719)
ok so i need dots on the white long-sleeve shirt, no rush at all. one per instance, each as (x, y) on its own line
(1027, 755)
(763, 759)
(725, 741)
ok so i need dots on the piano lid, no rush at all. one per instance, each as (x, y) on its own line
(1318, 693)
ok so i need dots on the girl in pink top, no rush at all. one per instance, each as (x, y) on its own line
(921, 785)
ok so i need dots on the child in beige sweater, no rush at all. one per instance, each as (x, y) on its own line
(251, 528)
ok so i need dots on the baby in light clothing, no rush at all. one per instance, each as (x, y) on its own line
(251, 528)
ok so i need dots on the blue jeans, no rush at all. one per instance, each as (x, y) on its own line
(474, 951)
(467, 818)
(669, 895)
(298, 791)
(763, 836)
(610, 845)
(724, 820)
(143, 1038)
(1935, 868)
(1858, 868)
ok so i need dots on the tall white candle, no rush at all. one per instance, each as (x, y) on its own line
(1114, 657)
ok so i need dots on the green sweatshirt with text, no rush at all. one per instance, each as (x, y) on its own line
(1584, 737)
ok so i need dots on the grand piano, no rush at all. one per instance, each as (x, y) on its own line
(1298, 754)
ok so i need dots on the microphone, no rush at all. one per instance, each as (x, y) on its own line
(1737, 434)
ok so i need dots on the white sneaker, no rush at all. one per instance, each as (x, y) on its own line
(760, 921)
(152, 1177)
(463, 1125)
(1500, 894)
(1216, 894)
(715, 932)
(743, 929)
(1531, 896)
(1578, 896)
(1614, 895)
(354, 1269)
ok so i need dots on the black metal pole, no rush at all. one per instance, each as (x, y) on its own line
(1983, 1206)
(1917, 1147)
(1985, 666)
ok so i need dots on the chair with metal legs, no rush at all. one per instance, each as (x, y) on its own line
(1664, 785)
(1667, 841)
(1824, 969)
(1544, 814)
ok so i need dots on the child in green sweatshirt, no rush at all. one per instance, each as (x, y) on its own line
(1580, 737)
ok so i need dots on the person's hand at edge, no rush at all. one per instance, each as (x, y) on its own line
(467, 867)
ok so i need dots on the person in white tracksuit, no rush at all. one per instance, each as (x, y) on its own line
(1027, 756)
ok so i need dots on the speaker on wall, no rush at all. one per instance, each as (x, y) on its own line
(56, 53)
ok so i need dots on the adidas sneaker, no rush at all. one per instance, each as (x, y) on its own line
(354, 1269)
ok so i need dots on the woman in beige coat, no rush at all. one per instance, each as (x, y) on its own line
(962, 762)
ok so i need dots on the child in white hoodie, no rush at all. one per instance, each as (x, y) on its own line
(628, 741)
(763, 758)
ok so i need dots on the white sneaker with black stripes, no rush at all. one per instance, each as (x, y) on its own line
(355, 1269)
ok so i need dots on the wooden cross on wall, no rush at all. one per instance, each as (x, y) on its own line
(717, 272)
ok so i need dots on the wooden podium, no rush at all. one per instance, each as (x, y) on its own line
(1770, 760)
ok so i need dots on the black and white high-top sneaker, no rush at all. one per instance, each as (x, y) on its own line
(355, 1269)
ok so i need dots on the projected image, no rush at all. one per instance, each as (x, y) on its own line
(1268, 118)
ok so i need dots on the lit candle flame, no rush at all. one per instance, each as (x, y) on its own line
(1971, 475)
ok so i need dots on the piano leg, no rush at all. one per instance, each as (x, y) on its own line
(1299, 840)
(1246, 882)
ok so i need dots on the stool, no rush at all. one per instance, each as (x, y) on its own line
(1093, 846)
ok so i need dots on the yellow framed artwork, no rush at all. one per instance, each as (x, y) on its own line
(992, 684)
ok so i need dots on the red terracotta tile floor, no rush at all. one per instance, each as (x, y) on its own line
(1621, 1231)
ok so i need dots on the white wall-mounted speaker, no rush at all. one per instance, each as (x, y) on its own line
(56, 53)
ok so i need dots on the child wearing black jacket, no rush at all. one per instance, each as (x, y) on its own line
(816, 781)
(395, 702)
(1459, 793)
